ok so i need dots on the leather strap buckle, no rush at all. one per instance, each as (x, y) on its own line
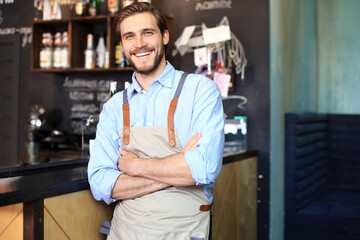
(205, 208)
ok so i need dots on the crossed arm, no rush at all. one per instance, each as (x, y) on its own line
(144, 176)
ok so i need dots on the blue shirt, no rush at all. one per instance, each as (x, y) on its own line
(199, 110)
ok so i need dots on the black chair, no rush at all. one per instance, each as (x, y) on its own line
(322, 176)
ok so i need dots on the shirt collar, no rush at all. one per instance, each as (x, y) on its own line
(166, 79)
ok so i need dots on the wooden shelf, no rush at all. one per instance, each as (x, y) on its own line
(78, 29)
(74, 70)
(96, 19)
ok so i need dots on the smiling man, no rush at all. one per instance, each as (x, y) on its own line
(145, 58)
(159, 143)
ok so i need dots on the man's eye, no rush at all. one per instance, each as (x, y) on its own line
(128, 36)
(148, 33)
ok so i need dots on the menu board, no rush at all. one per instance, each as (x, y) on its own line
(85, 99)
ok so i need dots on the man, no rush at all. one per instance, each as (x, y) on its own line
(159, 143)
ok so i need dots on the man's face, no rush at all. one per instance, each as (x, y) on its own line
(142, 42)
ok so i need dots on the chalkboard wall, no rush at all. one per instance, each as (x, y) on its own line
(249, 21)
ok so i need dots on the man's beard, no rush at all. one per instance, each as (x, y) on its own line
(152, 68)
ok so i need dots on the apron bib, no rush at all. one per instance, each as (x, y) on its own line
(171, 213)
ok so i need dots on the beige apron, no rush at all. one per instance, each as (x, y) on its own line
(172, 213)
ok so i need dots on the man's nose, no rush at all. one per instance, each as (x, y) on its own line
(140, 42)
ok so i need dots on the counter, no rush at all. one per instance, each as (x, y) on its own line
(39, 181)
(37, 191)
(34, 182)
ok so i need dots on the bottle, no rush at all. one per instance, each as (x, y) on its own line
(100, 53)
(39, 11)
(47, 10)
(64, 59)
(46, 51)
(43, 52)
(112, 88)
(80, 8)
(89, 53)
(56, 10)
(106, 63)
(57, 51)
(94, 8)
(127, 2)
(113, 6)
(119, 56)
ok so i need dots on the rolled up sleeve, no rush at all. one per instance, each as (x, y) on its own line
(102, 168)
(205, 160)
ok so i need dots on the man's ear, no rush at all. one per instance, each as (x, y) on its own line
(166, 37)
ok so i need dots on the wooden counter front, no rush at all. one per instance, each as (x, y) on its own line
(235, 201)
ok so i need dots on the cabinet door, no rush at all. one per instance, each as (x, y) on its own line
(235, 201)
(75, 216)
(11, 222)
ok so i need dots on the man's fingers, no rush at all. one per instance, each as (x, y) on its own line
(122, 151)
(194, 140)
(191, 144)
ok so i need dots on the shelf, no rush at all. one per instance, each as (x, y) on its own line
(78, 29)
(57, 22)
(94, 19)
(74, 70)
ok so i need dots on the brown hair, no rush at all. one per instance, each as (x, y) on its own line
(139, 7)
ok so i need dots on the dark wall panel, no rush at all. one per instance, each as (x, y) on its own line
(9, 99)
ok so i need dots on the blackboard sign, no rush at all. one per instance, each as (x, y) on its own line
(85, 98)
(81, 95)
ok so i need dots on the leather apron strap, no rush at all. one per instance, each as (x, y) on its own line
(170, 118)
(173, 103)
(126, 119)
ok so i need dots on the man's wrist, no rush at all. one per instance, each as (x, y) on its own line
(138, 167)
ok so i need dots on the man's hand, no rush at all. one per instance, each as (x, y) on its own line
(191, 144)
(127, 162)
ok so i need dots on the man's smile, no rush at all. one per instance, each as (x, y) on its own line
(142, 54)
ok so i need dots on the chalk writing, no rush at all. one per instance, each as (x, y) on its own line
(37, 3)
(78, 116)
(208, 5)
(98, 85)
(81, 96)
(202, 5)
(26, 31)
(102, 97)
(6, 2)
(90, 108)
(87, 97)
